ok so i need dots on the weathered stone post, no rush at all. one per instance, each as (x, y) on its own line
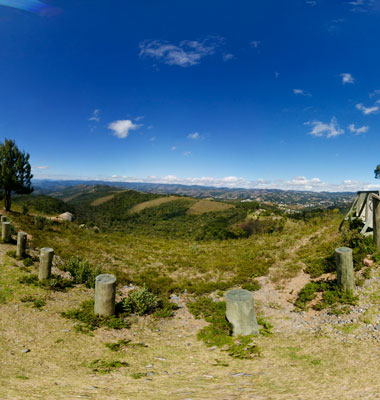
(105, 289)
(376, 221)
(3, 218)
(240, 312)
(21, 244)
(345, 268)
(6, 231)
(46, 261)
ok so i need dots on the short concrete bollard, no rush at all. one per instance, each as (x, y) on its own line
(21, 245)
(105, 289)
(6, 232)
(240, 312)
(345, 268)
(46, 261)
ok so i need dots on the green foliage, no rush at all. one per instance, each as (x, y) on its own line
(15, 171)
(377, 172)
(265, 326)
(41, 223)
(361, 246)
(11, 253)
(120, 344)
(140, 302)
(81, 271)
(218, 333)
(331, 295)
(37, 302)
(42, 204)
(28, 261)
(5, 294)
(56, 282)
(105, 367)
(91, 321)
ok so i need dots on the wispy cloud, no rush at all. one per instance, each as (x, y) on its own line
(314, 184)
(40, 167)
(95, 115)
(173, 148)
(321, 129)
(122, 128)
(347, 78)
(375, 93)
(256, 43)
(367, 110)
(139, 118)
(301, 92)
(357, 131)
(311, 3)
(186, 54)
(187, 153)
(228, 56)
(193, 136)
(276, 75)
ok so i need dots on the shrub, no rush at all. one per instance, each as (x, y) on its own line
(140, 301)
(28, 262)
(81, 271)
(105, 367)
(56, 282)
(91, 321)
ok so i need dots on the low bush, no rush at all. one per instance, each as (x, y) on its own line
(105, 367)
(332, 295)
(90, 321)
(218, 333)
(81, 271)
(56, 282)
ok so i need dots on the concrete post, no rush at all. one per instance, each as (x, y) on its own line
(3, 218)
(46, 261)
(345, 268)
(21, 245)
(376, 221)
(6, 232)
(240, 312)
(105, 289)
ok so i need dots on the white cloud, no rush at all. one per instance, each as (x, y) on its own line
(40, 167)
(375, 93)
(139, 118)
(95, 115)
(187, 153)
(301, 92)
(122, 128)
(173, 148)
(193, 136)
(347, 78)
(297, 183)
(228, 56)
(367, 110)
(357, 131)
(312, 3)
(321, 129)
(187, 53)
(256, 43)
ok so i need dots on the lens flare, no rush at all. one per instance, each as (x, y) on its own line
(34, 6)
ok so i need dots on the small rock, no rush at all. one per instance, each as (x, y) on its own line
(150, 373)
(160, 358)
(25, 350)
(149, 366)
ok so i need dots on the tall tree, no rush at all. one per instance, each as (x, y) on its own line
(377, 172)
(15, 171)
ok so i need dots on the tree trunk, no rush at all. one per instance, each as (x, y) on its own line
(7, 200)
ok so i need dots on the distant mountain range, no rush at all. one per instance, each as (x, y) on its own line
(302, 199)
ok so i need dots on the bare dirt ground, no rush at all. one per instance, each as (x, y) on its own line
(309, 355)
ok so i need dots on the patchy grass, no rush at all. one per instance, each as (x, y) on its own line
(205, 206)
(102, 200)
(153, 203)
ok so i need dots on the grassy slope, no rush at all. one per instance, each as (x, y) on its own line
(294, 365)
(205, 206)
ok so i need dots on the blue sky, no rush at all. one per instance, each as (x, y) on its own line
(267, 94)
